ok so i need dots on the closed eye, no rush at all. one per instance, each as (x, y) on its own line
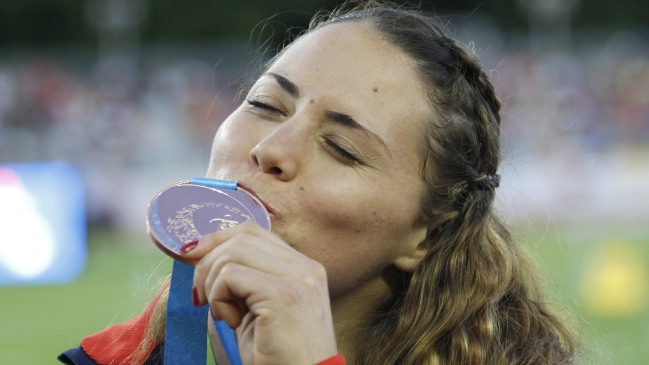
(341, 151)
(264, 106)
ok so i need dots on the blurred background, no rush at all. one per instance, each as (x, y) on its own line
(105, 102)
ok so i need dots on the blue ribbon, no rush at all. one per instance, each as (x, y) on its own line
(228, 341)
(214, 183)
(186, 327)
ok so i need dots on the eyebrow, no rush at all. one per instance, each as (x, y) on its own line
(286, 84)
(339, 118)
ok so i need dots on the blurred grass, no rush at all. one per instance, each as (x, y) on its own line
(38, 322)
(566, 255)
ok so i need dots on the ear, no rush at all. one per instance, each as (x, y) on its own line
(418, 244)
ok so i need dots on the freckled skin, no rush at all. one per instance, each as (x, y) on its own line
(356, 220)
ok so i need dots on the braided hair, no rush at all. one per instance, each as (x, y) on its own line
(473, 299)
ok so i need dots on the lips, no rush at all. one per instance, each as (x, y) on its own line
(252, 191)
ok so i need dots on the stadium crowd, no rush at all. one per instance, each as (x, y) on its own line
(560, 109)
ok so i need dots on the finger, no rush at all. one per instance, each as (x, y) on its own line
(229, 292)
(250, 251)
(246, 253)
(230, 312)
(264, 295)
(210, 241)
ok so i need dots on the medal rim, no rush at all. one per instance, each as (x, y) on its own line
(175, 255)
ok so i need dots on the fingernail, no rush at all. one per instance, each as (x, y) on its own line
(189, 246)
(195, 296)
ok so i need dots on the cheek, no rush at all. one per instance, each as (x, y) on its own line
(355, 249)
(232, 143)
(357, 207)
(354, 222)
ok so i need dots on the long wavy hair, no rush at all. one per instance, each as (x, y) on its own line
(474, 298)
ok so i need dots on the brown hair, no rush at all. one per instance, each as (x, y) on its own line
(474, 298)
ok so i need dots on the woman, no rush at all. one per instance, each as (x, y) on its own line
(374, 140)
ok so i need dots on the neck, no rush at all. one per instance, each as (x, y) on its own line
(351, 313)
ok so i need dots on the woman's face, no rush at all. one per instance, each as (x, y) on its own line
(328, 138)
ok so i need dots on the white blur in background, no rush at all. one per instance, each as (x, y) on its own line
(26, 239)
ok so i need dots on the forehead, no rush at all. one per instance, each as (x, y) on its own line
(351, 68)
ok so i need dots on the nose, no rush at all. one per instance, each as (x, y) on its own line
(279, 153)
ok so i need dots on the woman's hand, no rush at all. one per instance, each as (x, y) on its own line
(276, 298)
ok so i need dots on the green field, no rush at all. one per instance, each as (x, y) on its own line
(599, 275)
(38, 322)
